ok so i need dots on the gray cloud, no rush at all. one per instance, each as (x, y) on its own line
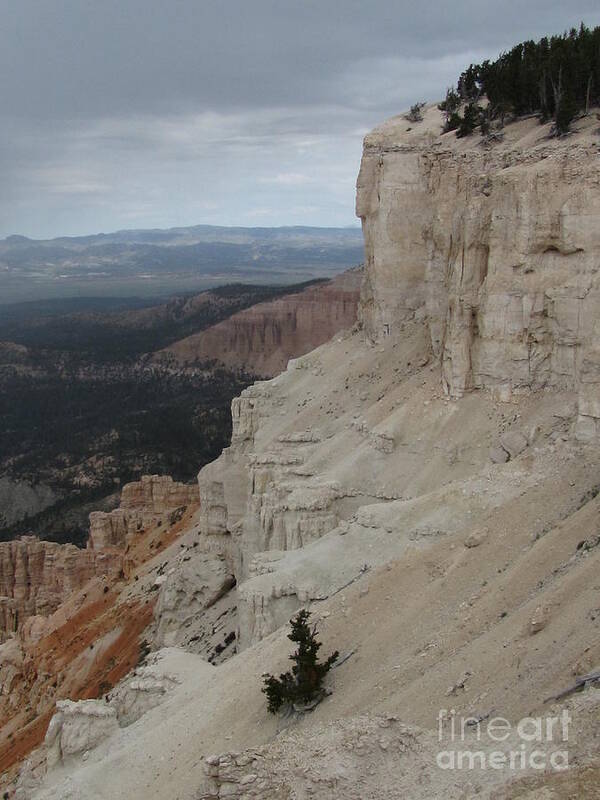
(142, 112)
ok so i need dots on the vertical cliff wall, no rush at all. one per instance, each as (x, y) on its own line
(354, 487)
(262, 339)
(37, 576)
(496, 245)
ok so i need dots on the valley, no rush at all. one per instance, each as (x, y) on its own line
(85, 406)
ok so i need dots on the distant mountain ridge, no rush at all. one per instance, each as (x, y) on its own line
(204, 232)
(155, 262)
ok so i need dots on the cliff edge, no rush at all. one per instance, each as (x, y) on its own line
(494, 243)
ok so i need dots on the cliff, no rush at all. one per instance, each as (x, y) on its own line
(425, 484)
(142, 505)
(496, 246)
(36, 577)
(262, 339)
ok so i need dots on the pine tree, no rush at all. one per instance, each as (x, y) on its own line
(566, 111)
(304, 684)
(556, 78)
(450, 106)
(469, 120)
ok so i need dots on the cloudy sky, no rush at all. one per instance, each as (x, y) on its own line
(155, 113)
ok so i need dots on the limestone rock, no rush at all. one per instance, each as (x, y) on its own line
(142, 504)
(11, 669)
(507, 277)
(328, 762)
(36, 576)
(262, 339)
(244, 417)
(513, 442)
(475, 539)
(77, 727)
(587, 427)
(213, 509)
(539, 620)
(157, 493)
(498, 455)
(185, 595)
(137, 694)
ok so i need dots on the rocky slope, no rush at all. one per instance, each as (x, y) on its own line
(36, 577)
(68, 625)
(262, 339)
(427, 484)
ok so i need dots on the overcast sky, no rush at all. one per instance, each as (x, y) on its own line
(155, 113)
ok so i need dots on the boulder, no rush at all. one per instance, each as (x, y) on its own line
(77, 727)
(498, 455)
(513, 442)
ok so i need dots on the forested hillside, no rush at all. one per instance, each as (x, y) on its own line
(557, 78)
(84, 408)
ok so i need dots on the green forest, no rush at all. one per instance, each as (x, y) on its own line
(84, 408)
(556, 78)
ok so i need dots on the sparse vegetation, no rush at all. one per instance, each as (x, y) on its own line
(416, 112)
(450, 107)
(302, 685)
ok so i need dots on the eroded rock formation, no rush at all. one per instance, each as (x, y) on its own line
(142, 504)
(426, 486)
(496, 247)
(262, 339)
(36, 577)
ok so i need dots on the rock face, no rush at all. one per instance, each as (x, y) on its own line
(142, 504)
(36, 577)
(274, 771)
(472, 258)
(157, 493)
(497, 247)
(185, 599)
(262, 339)
(76, 727)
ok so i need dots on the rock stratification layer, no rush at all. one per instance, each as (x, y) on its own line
(142, 504)
(36, 577)
(496, 245)
(262, 339)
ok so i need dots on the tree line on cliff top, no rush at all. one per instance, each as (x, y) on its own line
(556, 78)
